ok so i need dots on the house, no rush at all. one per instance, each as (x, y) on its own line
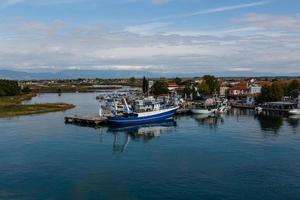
(255, 89)
(239, 89)
(172, 87)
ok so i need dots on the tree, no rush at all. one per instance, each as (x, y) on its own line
(132, 80)
(145, 85)
(203, 88)
(178, 81)
(274, 92)
(293, 88)
(212, 83)
(9, 88)
(26, 90)
(160, 87)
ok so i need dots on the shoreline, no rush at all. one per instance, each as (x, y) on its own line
(11, 106)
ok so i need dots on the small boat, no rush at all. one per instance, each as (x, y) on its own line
(258, 109)
(203, 109)
(295, 111)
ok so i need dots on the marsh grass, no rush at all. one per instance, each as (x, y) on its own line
(11, 106)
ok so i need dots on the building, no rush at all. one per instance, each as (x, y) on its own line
(172, 87)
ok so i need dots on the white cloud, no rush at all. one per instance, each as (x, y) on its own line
(227, 8)
(6, 3)
(241, 69)
(216, 10)
(57, 45)
(146, 29)
(160, 1)
(270, 21)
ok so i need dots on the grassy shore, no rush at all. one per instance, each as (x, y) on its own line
(11, 106)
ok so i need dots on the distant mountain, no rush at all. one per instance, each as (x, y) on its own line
(106, 74)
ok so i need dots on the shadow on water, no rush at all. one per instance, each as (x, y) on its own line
(146, 132)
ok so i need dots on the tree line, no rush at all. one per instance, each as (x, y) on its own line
(278, 90)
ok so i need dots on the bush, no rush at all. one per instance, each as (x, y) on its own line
(160, 87)
(26, 90)
(9, 88)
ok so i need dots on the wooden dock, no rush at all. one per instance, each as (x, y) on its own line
(86, 121)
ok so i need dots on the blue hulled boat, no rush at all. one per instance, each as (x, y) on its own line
(143, 117)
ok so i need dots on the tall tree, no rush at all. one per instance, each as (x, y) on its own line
(145, 85)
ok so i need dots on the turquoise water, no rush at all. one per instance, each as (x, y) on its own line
(235, 156)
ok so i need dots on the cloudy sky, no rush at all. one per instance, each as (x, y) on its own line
(152, 35)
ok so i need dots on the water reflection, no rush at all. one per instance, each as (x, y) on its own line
(211, 120)
(270, 123)
(144, 132)
(293, 121)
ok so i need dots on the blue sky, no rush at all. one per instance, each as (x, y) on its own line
(153, 35)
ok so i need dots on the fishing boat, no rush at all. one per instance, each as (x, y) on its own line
(153, 115)
(211, 106)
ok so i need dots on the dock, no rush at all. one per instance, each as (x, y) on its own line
(86, 121)
(183, 111)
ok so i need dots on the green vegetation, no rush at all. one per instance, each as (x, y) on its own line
(293, 88)
(11, 106)
(278, 90)
(145, 85)
(210, 85)
(160, 87)
(178, 81)
(9, 88)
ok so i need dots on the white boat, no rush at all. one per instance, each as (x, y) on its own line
(295, 111)
(202, 109)
(222, 109)
(258, 109)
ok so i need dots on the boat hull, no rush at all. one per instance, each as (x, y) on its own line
(203, 111)
(154, 117)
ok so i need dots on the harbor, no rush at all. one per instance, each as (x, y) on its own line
(186, 150)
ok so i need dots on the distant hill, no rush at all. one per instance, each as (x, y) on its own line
(113, 74)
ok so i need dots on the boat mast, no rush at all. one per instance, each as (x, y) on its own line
(126, 105)
(100, 109)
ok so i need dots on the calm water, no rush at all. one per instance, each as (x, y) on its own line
(236, 156)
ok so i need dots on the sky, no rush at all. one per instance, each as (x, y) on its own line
(182, 36)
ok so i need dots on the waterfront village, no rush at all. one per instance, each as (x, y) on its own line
(269, 94)
(241, 92)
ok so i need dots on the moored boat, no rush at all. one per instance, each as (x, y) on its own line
(144, 117)
(294, 111)
(202, 109)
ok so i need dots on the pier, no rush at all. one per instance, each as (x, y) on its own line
(101, 121)
(86, 121)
